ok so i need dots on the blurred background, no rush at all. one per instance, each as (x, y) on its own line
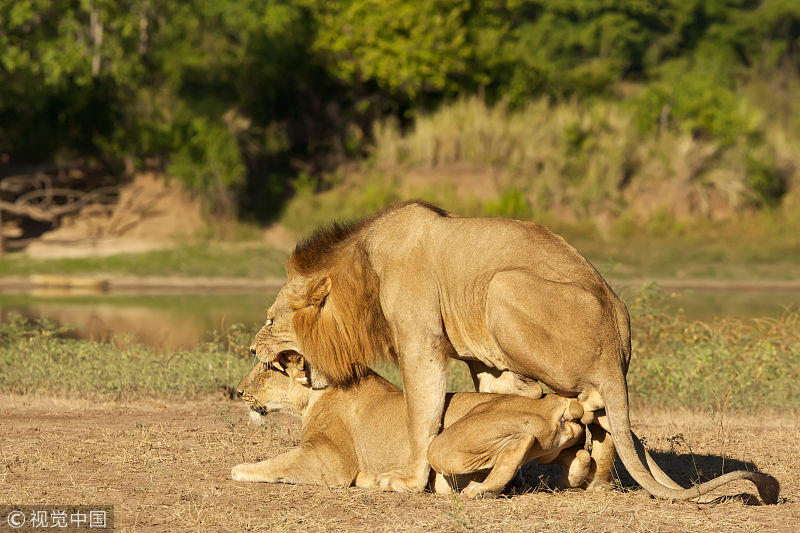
(158, 159)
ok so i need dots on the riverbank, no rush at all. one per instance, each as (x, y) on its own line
(679, 362)
(723, 255)
(89, 284)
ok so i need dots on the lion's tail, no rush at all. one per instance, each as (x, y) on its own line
(615, 398)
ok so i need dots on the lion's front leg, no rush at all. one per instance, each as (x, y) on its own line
(285, 468)
(422, 365)
(308, 464)
(269, 471)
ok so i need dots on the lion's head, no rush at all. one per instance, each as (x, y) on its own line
(328, 310)
(278, 334)
(281, 386)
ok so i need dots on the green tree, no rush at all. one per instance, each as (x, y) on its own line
(244, 95)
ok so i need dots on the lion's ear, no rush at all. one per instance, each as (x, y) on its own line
(319, 291)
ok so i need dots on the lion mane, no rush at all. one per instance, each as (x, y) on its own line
(339, 321)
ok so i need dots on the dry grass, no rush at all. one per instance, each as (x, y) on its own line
(587, 159)
(166, 467)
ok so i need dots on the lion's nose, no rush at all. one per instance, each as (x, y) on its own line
(253, 350)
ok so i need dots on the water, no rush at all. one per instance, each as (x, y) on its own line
(163, 321)
(712, 305)
(182, 320)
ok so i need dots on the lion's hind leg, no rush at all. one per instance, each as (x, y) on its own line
(504, 456)
(484, 440)
(506, 464)
(603, 454)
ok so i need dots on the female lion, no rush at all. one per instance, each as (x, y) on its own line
(351, 434)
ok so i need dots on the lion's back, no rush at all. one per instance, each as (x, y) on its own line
(370, 418)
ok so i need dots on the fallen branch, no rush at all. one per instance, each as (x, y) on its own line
(38, 200)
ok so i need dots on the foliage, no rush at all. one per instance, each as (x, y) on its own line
(737, 363)
(38, 357)
(208, 159)
(242, 96)
(403, 47)
(696, 101)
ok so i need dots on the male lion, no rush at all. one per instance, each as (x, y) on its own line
(510, 298)
(351, 434)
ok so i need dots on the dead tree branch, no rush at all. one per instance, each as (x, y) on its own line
(34, 197)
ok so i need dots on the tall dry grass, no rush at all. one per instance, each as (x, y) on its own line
(638, 199)
(589, 158)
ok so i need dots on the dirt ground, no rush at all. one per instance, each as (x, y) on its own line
(151, 213)
(165, 466)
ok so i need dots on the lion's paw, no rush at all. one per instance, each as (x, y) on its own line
(243, 472)
(399, 481)
(476, 490)
(600, 485)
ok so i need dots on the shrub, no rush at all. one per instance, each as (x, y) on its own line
(208, 161)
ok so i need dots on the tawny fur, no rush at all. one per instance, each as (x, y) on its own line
(351, 434)
(505, 296)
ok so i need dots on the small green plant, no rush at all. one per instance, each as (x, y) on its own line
(457, 513)
(224, 416)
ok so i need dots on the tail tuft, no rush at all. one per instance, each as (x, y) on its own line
(768, 489)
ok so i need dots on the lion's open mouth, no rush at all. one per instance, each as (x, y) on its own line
(286, 354)
(283, 355)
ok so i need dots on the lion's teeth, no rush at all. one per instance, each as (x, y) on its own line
(302, 380)
(277, 365)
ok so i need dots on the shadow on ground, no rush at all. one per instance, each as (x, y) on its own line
(685, 468)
